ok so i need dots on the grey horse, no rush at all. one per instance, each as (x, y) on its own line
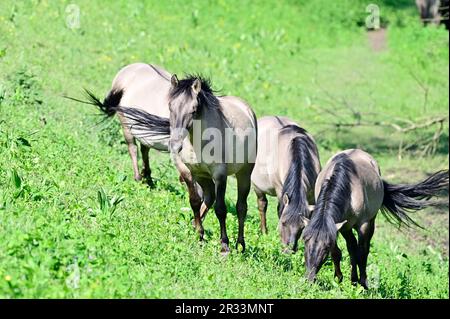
(145, 87)
(211, 138)
(287, 166)
(349, 193)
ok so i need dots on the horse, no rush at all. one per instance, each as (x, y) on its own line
(146, 87)
(143, 87)
(287, 166)
(211, 137)
(349, 193)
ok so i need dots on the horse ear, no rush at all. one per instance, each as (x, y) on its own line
(197, 86)
(339, 225)
(304, 220)
(174, 80)
(285, 199)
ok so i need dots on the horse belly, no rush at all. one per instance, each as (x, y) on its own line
(232, 169)
(161, 145)
(264, 181)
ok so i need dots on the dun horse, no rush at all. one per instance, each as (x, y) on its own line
(349, 192)
(146, 87)
(287, 166)
(211, 137)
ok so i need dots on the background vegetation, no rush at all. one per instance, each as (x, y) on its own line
(73, 223)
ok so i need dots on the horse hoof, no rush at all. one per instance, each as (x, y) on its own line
(242, 243)
(225, 250)
(363, 283)
(224, 253)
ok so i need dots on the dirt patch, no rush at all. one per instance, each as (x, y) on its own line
(377, 39)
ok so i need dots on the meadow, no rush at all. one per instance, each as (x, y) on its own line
(74, 223)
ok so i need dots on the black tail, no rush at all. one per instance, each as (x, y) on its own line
(145, 124)
(400, 199)
(109, 105)
(142, 123)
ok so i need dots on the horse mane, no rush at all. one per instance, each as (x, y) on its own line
(302, 165)
(334, 197)
(206, 96)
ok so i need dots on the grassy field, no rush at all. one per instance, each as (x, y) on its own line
(74, 224)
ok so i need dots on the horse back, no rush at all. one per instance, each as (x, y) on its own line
(367, 190)
(239, 116)
(145, 87)
(275, 136)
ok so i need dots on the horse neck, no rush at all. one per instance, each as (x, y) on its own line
(295, 187)
(209, 118)
(213, 117)
(301, 174)
(335, 196)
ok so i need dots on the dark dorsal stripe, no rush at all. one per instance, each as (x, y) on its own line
(159, 73)
(334, 198)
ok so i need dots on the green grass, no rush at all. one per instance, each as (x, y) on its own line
(73, 223)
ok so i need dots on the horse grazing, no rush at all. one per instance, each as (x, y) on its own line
(211, 138)
(287, 166)
(144, 87)
(349, 192)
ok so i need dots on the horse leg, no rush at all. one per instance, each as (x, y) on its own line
(209, 196)
(336, 255)
(132, 149)
(196, 202)
(147, 172)
(243, 188)
(262, 207)
(195, 198)
(352, 247)
(221, 211)
(365, 233)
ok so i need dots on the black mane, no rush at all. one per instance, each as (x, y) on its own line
(333, 200)
(302, 166)
(206, 96)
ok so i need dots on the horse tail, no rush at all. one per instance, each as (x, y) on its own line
(145, 125)
(142, 124)
(109, 105)
(401, 199)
